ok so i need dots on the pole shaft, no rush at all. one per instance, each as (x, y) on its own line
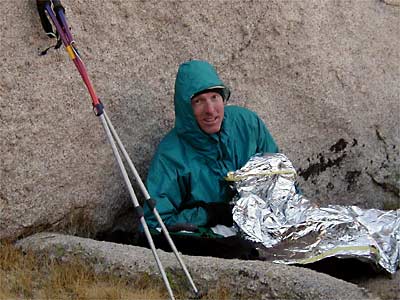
(147, 196)
(136, 203)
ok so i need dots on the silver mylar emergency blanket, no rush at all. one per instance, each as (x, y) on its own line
(294, 230)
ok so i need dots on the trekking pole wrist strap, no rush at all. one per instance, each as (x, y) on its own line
(41, 7)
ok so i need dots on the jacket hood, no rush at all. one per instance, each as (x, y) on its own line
(193, 77)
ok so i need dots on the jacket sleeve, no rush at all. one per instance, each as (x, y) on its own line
(265, 141)
(168, 189)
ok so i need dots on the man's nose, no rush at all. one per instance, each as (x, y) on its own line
(208, 107)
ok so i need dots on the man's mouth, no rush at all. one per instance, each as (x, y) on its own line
(210, 121)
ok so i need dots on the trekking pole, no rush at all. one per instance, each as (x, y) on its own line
(138, 208)
(57, 16)
(59, 22)
(151, 203)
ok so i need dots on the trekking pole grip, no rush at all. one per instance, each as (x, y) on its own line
(57, 6)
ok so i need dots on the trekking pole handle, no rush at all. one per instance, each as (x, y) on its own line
(57, 6)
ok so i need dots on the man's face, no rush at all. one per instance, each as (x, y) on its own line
(208, 109)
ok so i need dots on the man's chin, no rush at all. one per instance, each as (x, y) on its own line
(211, 129)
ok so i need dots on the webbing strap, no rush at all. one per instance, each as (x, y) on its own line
(46, 24)
(41, 5)
(232, 177)
(366, 249)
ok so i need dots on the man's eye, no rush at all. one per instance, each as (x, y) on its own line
(215, 97)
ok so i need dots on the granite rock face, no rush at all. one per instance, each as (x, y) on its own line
(323, 75)
(243, 279)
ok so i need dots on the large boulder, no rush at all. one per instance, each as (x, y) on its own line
(324, 75)
(242, 279)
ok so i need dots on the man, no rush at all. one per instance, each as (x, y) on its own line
(186, 176)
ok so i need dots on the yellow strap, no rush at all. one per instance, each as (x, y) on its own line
(70, 52)
(232, 177)
(336, 250)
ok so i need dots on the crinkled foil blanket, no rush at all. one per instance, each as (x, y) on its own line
(269, 210)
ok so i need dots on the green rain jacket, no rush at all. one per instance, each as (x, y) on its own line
(190, 165)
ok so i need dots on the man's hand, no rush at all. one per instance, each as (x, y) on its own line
(182, 227)
(219, 213)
